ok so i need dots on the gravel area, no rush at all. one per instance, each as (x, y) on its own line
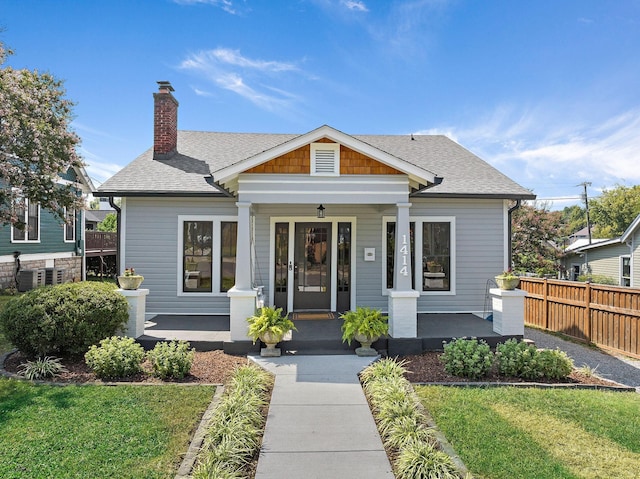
(617, 368)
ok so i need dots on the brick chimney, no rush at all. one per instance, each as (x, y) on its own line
(165, 122)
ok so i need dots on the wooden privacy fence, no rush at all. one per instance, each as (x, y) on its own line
(608, 316)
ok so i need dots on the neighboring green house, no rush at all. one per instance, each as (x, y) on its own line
(617, 259)
(46, 251)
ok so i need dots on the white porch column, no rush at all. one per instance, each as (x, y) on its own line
(403, 305)
(242, 296)
(137, 299)
(508, 311)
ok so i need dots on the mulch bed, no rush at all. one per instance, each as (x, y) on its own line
(214, 367)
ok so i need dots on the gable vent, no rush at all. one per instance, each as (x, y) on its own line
(325, 159)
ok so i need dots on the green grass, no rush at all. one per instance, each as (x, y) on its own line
(96, 431)
(523, 433)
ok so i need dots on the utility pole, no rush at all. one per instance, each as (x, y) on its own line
(584, 184)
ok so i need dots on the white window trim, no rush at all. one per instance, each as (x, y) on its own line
(325, 146)
(215, 255)
(621, 266)
(419, 220)
(26, 233)
(64, 228)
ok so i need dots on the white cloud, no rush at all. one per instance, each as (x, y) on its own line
(230, 70)
(355, 5)
(551, 154)
(226, 5)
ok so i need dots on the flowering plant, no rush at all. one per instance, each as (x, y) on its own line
(129, 272)
(508, 274)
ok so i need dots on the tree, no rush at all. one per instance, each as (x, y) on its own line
(109, 223)
(614, 210)
(574, 219)
(536, 234)
(36, 144)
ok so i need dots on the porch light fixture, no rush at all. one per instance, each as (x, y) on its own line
(320, 211)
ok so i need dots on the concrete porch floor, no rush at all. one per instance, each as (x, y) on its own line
(207, 333)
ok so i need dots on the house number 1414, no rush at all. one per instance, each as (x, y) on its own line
(404, 271)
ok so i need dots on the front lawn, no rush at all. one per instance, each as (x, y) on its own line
(96, 431)
(552, 433)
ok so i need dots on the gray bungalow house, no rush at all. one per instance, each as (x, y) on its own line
(319, 221)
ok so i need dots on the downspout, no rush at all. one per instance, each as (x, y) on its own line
(510, 228)
(118, 216)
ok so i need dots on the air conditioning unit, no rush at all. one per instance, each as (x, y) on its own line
(53, 275)
(30, 278)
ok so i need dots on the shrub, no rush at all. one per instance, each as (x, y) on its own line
(42, 368)
(65, 319)
(467, 358)
(116, 357)
(517, 358)
(554, 364)
(171, 360)
(526, 361)
(421, 460)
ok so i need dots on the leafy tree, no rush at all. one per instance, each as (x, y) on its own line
(94, 204)
(574, 219)
(536, 232)
(36, 144)
(109, 223)
(614, 210)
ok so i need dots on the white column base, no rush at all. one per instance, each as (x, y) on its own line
(508, 311)
(403, 313)
(137, 299)
(242, 306)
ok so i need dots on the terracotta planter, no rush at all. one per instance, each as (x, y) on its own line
(507, 283)
(130, 282)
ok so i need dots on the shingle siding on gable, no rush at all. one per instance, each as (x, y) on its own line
(299, 162)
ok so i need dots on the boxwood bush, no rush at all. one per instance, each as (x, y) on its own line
(471, 358)
(171, 360)
(116, 357)
(64, 319)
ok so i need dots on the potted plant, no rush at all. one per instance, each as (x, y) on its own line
(130, 280)
(269, 326)
(434, 267)
(507, 280)
(365, 325)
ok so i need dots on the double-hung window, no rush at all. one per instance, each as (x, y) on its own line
(69, 225)
(28, 214)
(625, 270)
(207, 254)
(432, 239)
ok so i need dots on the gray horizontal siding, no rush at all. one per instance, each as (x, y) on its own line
(605, 261)
(635, 260)
(151, 233)
(151, 247)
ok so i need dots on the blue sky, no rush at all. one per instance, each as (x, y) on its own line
(547, 91)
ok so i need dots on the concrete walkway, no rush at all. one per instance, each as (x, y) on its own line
(616, 368)
(319, 424)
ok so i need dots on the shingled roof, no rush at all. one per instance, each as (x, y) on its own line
(192, 170)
